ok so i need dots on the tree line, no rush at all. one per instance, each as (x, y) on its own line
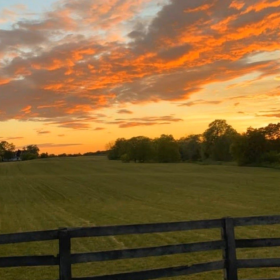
(8, 152)
(219, 142)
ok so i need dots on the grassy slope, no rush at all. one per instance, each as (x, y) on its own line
(52, 193)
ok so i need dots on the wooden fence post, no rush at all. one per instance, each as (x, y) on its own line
(64, 255)
(229, 252)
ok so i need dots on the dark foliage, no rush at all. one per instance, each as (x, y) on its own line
(220, 142)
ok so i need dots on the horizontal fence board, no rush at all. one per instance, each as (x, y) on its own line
(21, 261)
(146, 252)
(264, 279)
(161, 273)
(144, 228)
(258, 263)
(29, 261)
(255, 243)
(254, 221)
(28, 236)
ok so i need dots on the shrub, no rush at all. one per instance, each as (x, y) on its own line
(125, 158)
(28, 156)
(271, 157)
(44, 155)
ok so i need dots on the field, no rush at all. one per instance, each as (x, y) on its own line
(87, 191)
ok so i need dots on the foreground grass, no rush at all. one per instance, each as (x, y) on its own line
(87, 191)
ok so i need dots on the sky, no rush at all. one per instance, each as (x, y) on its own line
(76, 75)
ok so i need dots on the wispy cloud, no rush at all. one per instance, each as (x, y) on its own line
(99, 128)
(145, 121)
(43, 131)
(52, 145)
(124, 111)
(15, 138)
(201, 102)
(272, 113)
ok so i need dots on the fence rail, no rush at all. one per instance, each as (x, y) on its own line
(228, 244)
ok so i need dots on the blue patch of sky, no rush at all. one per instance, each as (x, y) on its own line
(34, 9)
(145, 16)
(33, 5)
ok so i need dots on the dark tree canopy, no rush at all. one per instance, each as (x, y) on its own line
(7, 150)
(219, 142)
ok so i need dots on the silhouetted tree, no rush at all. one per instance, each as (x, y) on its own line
(30, 152)
(44, 155)
(7, 150)
(219, 142)
(33, 149)
(218, 139)
(118, 149)
(249, 147)
(190, 148)
(166, 149)
(272, 135)
(140, 149)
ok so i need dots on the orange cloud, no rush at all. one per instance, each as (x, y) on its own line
(238, 5)
(79, 108)
(204, 7)
(185, 47)
(27, 109)
(4, 81)
(52, 87)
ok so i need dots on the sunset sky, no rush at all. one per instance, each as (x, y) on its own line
(77, 74)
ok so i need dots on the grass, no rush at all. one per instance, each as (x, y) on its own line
(87, 191)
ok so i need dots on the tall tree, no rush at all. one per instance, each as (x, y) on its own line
(249, 147)
(190, 147)
(7, 150)
(140, 149)
(30, 152)
(217, 140)
(272, 135)
(166, 149)
(33, 149)
(272, 131)
(118, 149)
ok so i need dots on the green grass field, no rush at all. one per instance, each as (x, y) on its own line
(88, 191)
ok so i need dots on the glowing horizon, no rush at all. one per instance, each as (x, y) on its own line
(77, 74)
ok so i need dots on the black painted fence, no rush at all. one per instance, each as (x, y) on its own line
(228, 244)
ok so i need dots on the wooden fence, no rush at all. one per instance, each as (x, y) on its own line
(228, 244)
